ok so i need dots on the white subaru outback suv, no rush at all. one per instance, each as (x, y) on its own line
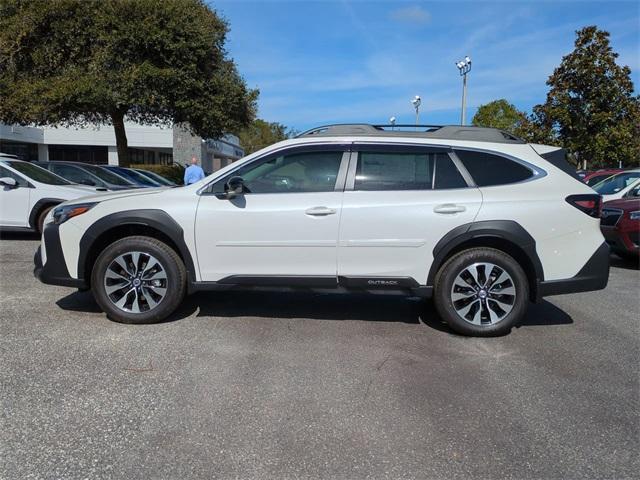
(473, 217)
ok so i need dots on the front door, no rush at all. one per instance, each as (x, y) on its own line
(284, 225)
(14, 201)
(398, 203)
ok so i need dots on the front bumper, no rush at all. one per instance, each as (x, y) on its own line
(54, 271)
(593, 276)
(621, 240)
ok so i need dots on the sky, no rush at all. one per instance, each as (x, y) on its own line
(336, 61)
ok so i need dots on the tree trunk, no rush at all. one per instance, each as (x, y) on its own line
(117, 118)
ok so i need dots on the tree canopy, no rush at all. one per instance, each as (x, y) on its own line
(260, 134)
(74, 62)
(500, 114)
(590, 107)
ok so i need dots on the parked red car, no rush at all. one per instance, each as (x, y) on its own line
(591, 178)
(620, 224)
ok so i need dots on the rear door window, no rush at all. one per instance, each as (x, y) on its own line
(488, 169)
(406, 170)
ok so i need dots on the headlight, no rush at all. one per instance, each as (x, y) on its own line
(635, 215)
(63, 213)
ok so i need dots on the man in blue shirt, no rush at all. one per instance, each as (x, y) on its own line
(193, 172)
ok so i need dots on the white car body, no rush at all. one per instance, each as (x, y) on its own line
(371, 240)
(20, 205)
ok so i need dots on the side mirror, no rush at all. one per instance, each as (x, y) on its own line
(234, 187)
(8, 182)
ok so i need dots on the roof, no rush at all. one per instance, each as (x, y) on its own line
(448, 132)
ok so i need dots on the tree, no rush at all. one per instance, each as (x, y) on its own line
(260, 134)
(590, 108)
(76, 62)
(500, 114)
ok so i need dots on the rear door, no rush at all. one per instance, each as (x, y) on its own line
(399, 201)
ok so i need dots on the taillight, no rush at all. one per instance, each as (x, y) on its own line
(589, 203)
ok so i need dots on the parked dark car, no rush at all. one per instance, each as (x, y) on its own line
(155, 176)
(620, 224)
(86, 174)
(133, 176)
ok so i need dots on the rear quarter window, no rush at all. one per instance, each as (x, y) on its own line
(488, 169)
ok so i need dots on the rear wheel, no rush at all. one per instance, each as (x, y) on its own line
(138, 280)
(481, 292)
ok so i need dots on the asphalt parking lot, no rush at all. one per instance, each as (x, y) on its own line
(274, 385)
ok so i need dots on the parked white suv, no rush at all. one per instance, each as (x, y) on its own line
(28, 192)
(474, 217)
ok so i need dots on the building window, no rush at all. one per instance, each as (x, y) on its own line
(22, 150)
(139, 156)
(94, 155)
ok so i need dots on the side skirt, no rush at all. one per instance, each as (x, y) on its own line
(389, 285)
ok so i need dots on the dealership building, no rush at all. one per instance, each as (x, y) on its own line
(97, 145)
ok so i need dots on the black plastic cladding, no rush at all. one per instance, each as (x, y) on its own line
(156, 219)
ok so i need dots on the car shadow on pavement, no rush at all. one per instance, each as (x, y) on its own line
(79, 301)
(18, 235)
(320, 306)
(545, 314)
(626, 263)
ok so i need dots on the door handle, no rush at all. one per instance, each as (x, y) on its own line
(448, 208)
(320, 211)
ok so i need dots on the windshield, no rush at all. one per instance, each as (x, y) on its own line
(107, 176)
(616, 183)
(136, 177)
(157, 177)
(37, 173)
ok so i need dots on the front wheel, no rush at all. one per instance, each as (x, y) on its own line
(481, 292)
(41, 217)
(138, 280)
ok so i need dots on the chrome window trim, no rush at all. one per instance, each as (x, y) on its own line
(445, 149)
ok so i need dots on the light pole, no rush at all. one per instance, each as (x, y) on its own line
(464, 66)
(416, 101)
(392, 121)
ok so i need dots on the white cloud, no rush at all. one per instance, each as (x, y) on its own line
(412, 14)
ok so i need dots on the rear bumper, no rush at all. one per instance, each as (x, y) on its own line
(593, 276)
(54, 272)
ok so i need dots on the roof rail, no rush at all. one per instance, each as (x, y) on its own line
(448, 132)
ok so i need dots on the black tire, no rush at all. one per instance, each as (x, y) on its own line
(41, 216)
(173, 268)
(444, 284)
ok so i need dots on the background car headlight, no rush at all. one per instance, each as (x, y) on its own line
(63, 213)
(635, 215)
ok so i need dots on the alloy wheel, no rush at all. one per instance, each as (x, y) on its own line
(135, 282)
(483, 294)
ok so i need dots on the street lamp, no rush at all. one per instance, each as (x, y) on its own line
(392, 121)
(416, 104)
(464, 67)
